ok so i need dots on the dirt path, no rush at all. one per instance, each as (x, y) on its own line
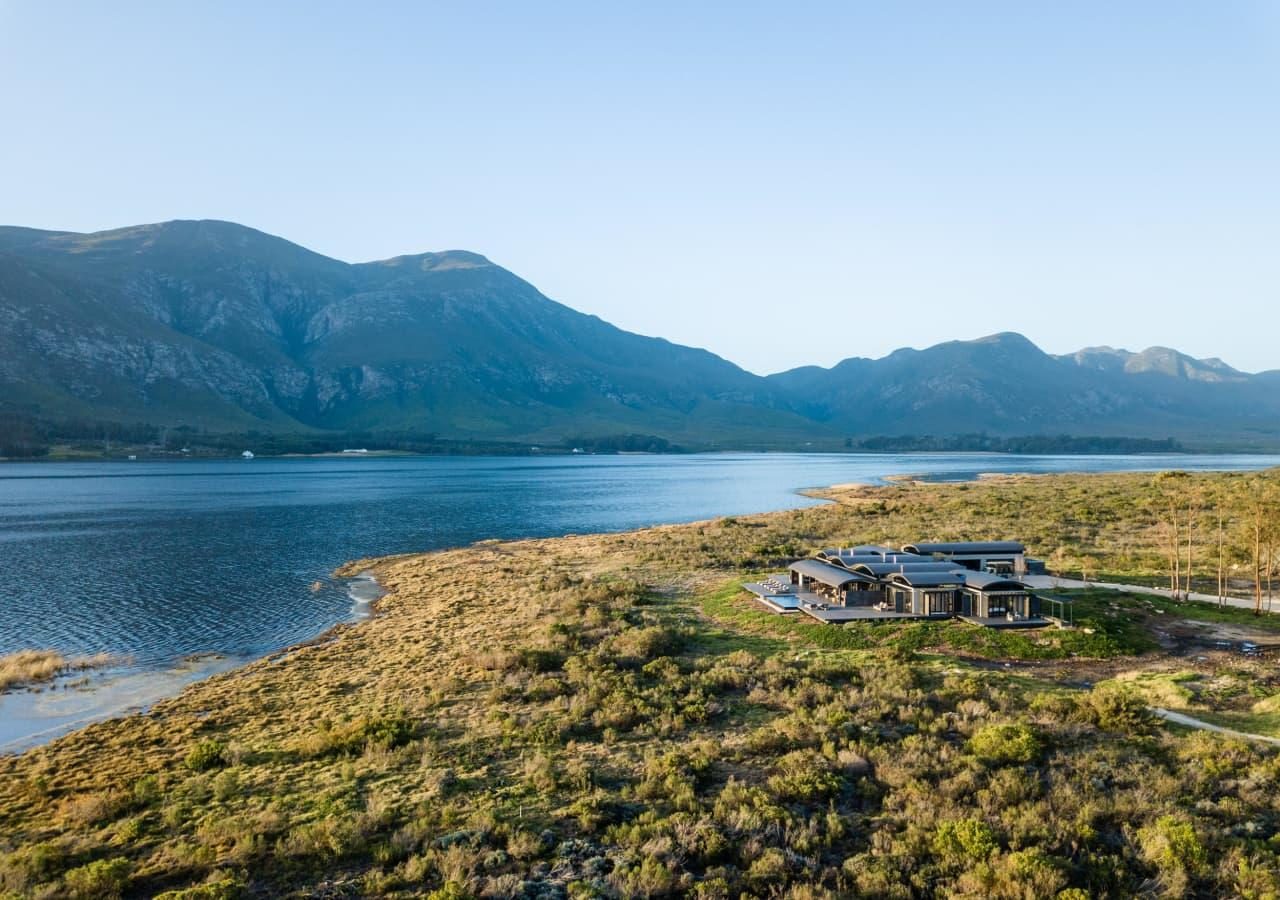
(1183, 719)
(1046, 582)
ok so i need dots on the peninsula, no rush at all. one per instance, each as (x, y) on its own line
(612, 715)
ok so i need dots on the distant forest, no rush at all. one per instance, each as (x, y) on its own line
(1036, 443)
(26, 436)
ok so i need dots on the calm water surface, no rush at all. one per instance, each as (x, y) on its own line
(162, 560)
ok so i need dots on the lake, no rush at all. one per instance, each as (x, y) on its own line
(158, 561)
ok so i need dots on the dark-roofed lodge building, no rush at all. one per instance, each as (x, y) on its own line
(973, 580)
(999, 557)
(987, 596)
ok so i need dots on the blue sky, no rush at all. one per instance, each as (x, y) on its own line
(783, 184)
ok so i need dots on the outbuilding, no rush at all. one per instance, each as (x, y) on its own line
(997, 557)
(988, 596)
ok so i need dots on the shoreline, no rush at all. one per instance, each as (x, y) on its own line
(77, 699)
(497, 454)
(517, 693)
(172, 681)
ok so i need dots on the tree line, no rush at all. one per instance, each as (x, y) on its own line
(1034, 443)
(1218, 527)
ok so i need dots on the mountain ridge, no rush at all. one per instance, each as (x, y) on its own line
(216, 325)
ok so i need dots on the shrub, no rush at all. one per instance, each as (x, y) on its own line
(539, 660)
(207, 755)
(29, 866)
(1114, 709)
(648, 643)
(146, 790)
(651, 878)
(964, 840)
(769, 868)
(217, 889)
(1005, 743)
(388, 731)
(451, 891)
(395, 729)
(804, 775)
(102, 879)
(93, 809)
(1026, 873)
(1171, 844)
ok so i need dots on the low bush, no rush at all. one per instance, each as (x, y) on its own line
(964, 840)
(1116, 709)
(1005, 743)
(206, 755)
(102, 879)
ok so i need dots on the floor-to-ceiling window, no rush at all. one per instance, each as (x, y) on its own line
(938, 602)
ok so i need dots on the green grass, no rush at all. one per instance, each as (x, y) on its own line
(743, 624)
(1267, 724)
(1226, 615)
(648, 730)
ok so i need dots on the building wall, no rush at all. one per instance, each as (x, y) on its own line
(981, 605)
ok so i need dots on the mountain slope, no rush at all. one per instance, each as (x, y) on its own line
(218, 326)
(214, 324)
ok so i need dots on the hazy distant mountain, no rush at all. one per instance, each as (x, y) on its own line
(220, 326)
(1004, 384)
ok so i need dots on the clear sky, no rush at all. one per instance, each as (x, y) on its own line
(784, 184)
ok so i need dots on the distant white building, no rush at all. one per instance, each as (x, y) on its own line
(356, 450)
(248, 454)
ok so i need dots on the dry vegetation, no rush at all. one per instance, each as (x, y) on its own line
(31, 667)
(602, 716)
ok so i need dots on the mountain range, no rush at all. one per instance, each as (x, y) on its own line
(221, 327)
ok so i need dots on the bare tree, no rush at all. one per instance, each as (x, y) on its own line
(1271, 539)
(1194, 499)
(1170, 486)
(1222, 555)
(1258, 516)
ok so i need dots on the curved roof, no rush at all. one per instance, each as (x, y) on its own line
(985, 581)
(878, 552)
(862, 550)
(827, 574)
(966, 547)
(928, 579)
(848, 562)
(880, 569)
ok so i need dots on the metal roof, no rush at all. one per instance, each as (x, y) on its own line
(827, 574)
(985, 581)
(846, 552)
(848, 562)
(966, 547)
(880, 569)
(928, 579)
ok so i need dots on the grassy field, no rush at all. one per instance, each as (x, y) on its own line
(610, 716)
